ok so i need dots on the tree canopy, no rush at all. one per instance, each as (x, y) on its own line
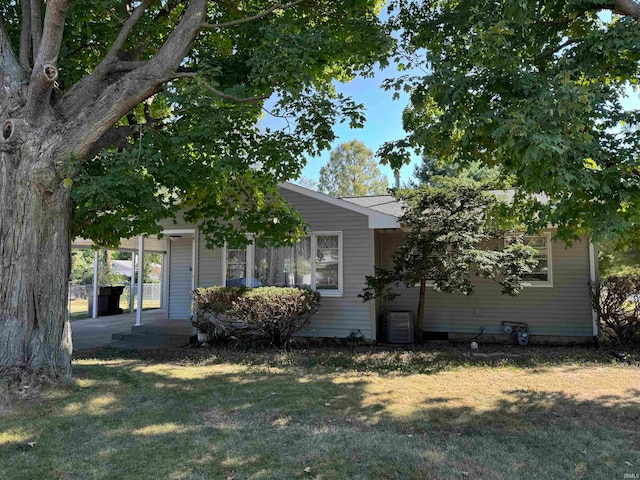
(190, 138)
(118, 113)
(352, 171)
(448, 224)
(536, 87)
(431, 167)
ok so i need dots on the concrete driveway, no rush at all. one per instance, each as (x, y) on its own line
(96, 332)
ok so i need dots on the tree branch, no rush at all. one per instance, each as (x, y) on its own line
(273, 8)
(126, 66)
(10, 70)
(111, 102)
(627, 8)
(233, 98)
(36, 26)
(118, 43)
(25, 34)
(114, 137)
(45, 72)
(552, 51)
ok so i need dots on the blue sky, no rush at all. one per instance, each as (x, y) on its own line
(384, 122)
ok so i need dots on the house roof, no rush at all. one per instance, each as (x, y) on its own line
(377, 218)
(380, 203)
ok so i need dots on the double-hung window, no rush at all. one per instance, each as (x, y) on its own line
(542, 274)
(314, 262)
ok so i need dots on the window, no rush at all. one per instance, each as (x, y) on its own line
(541, 276)
(314, 262)
(236, 271)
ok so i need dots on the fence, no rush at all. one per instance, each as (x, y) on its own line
(81, 296)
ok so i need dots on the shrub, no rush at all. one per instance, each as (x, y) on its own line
(211, 306)
(267, 314)
(617, 300)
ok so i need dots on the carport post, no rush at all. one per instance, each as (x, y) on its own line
(132, 282)
(96, 260)
(140, 279)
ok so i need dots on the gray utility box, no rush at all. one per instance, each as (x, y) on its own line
(400, 327)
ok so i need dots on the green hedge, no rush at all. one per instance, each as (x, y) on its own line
(265, 314)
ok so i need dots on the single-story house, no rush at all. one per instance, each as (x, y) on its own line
(348, 237)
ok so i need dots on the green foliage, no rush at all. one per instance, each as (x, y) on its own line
(431, 167)
(196, 149)
(617, 301)
(267, 314)
(447, 224)
(619, 258)
(352, 171)
(536, 88)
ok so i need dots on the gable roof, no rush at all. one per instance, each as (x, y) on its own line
(377, 218)
(381, 203)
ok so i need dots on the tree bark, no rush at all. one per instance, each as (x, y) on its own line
(35, 239)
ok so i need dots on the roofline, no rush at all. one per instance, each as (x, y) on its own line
(376, 219)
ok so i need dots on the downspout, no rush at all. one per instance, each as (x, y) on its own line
(593, 276)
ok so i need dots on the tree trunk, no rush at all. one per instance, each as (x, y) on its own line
(35, 240)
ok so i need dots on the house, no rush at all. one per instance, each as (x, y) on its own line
(348, 237)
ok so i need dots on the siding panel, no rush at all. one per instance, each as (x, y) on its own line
(180, 278)
(562, 310)
(337, 316)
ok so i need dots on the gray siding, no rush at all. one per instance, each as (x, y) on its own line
(339, 316)
(561, 310)
(180, 277)
(209, 264)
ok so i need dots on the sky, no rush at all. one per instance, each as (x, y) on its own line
(383, 122)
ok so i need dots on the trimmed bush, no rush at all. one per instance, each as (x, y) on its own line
(266, 314)
(617, 300)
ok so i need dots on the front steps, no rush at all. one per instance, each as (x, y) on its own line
(166, 334)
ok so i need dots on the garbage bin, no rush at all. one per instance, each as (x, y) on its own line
(108, 300)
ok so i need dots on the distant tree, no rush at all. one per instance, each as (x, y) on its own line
(619, 258)
(307, 182)
(431, 167)
(448, 221)
(352, 171)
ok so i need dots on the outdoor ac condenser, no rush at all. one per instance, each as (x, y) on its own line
(400, 327)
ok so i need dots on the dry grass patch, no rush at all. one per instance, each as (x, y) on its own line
(262, 416)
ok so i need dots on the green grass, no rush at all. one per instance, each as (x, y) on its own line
(78, 308)
(361, 413)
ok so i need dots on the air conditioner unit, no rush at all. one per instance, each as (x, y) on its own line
(400, 327)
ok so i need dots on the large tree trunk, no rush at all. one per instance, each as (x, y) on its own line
(35, 239)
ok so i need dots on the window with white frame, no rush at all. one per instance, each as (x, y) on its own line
(314, 262)
(541, 275)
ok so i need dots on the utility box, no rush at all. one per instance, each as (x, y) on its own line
(400, 327)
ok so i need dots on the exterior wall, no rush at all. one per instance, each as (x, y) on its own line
(180, 277)
(338, 316)
(563, 310)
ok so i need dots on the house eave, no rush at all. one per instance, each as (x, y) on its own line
(376, 219)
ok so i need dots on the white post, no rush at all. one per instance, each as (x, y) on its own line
(140, 279)
(132, 281)
(96, 260)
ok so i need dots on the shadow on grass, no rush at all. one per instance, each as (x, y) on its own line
(132, 416)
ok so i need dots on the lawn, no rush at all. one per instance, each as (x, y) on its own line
(79, 307)
(356, 413)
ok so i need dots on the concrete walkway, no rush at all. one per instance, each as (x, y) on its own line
(97, 332)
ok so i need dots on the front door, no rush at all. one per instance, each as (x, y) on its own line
(180, 277)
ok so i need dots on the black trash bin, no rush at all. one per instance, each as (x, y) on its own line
(108, 300)
(114, 300)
